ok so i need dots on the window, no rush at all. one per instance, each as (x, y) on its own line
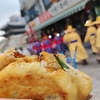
(47, 4)
(34, 12)
(27, 18)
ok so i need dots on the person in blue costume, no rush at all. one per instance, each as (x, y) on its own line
(37, 47)
(58, 41)
(29, 46)
(47, 44)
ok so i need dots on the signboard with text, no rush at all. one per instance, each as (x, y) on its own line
(56, 8)
(62, 5)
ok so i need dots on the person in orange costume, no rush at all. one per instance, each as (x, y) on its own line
(91, 35)
(73, 40)
(97, 22)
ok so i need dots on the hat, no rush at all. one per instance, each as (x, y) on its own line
(44, 37)
(88, 23)
(97, 20)
(70, 29)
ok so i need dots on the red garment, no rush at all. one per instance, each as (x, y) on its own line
(36, 47)
(45, 45)
(27, 33)
(30, 29)
(58, 41)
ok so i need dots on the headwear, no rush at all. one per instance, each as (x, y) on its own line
(97, 20)
(70, 29)
(44, 37)
(88, 23)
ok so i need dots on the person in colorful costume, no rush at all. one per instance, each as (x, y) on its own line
(73, 40)
(37, 47)
(58, 41)
(91, 35)
(97, 22)
(47, 44)
(30, 46)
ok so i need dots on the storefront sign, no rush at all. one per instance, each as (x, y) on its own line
(62, 5)
(55, 9)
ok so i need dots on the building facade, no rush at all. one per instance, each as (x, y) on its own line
(30, 9)
(49, 15)
(15, 26)
(14, 31)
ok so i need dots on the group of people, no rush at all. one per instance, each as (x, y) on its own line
(93, 35)
(48, 44)
(72, 40)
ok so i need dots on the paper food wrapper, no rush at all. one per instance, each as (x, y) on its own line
(88, 98)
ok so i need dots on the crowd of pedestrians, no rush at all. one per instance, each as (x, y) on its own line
(71, 39)
(48, 44)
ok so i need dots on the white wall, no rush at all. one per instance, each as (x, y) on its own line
(15, 41)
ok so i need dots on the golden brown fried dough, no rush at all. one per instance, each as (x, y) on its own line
(41, 78)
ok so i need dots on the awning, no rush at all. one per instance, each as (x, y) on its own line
(68, 12)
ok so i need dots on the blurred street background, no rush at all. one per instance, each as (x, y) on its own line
(22, 22)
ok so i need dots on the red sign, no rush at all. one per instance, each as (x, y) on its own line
(45, 16)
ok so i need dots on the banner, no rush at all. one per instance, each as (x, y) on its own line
(45, 16)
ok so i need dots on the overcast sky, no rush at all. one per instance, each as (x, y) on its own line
(7, 9)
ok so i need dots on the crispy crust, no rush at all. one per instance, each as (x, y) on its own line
(25, 78)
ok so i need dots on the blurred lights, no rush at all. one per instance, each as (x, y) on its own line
(50, 36)
(57, 34)
(87, 22)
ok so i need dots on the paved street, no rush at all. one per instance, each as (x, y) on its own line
(93, 70)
